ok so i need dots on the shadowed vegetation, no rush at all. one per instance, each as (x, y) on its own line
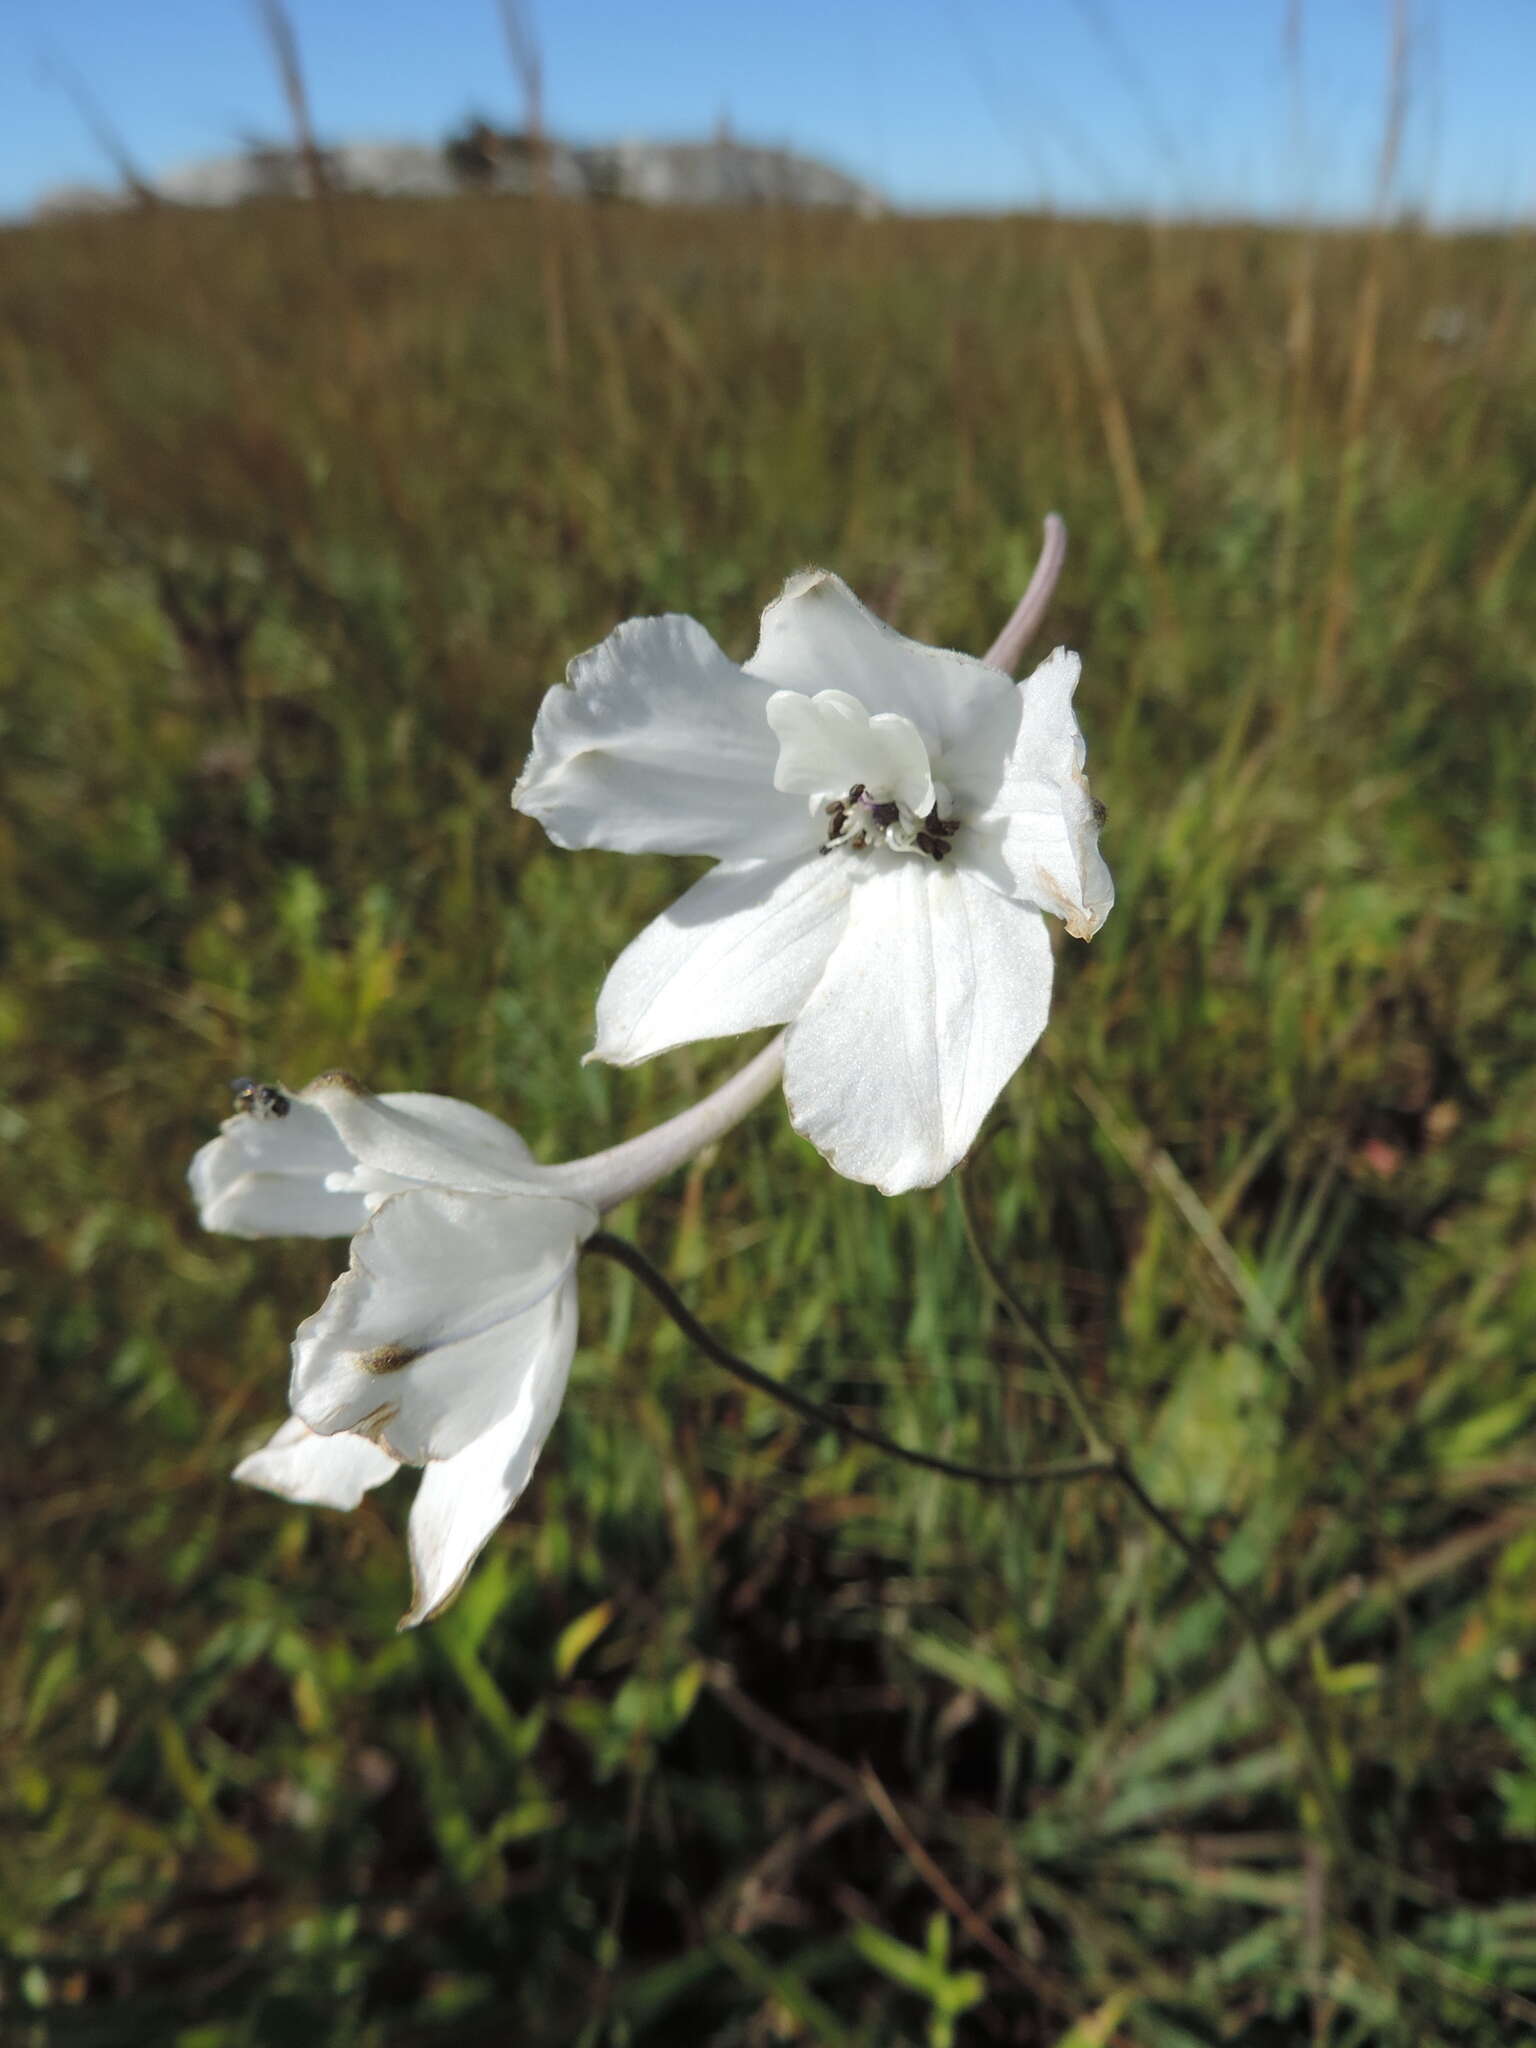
(740, 1734)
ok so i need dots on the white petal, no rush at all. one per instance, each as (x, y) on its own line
(817, 636)
(433, 1139)
(460, 1501)
(1034, 829)
(828, 743)
(423, 1343)
(659, 745)
(1033, 824)
(936, 991)
(742, 948)
(265, 1177)
(318, 1471)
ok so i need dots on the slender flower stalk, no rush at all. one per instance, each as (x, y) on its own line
(608, 1178)
(1007, 650)
(605, 1245)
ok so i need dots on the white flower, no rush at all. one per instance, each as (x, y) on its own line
(448, 1340)
(890, 821)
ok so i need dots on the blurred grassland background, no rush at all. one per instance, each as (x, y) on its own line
(739, 1735)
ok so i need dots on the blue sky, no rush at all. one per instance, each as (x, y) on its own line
(1169, 105)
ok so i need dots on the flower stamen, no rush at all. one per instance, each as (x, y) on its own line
(858, 821)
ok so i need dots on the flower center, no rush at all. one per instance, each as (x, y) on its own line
(830, 742)
(859, 820)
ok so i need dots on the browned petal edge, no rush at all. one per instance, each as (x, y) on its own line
(338, 1077)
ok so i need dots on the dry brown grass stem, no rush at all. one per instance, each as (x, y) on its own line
(864, 1786)
(1341, 570)
(1300, 348)
(1365, 335)
(1112, 415)
(1121, 447)
(528, 66)
(104, 132)
(949, 1895)
(278, 26)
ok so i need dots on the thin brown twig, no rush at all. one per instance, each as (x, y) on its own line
(751, 1894)
(864, 1786)
(800, 1749)
(944, 1889)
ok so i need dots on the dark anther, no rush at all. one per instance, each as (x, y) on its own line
(946, 826)
(885, 814)
(258, 1098)
(856, 792)
(839, 817)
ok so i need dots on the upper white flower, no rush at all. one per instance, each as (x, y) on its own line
(890, 821)
(447, 1342)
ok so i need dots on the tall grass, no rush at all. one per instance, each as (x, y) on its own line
(739, 1734)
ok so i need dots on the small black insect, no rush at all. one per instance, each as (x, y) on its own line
(258, 1098)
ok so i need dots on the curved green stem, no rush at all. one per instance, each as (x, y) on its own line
(634, 1261)
(1066, 1386)
(1115, 1463)
(1252, 1628)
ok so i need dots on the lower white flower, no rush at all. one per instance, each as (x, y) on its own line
(890, 821)
(448, 1341)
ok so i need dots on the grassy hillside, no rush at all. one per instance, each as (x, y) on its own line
(739, 1735)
